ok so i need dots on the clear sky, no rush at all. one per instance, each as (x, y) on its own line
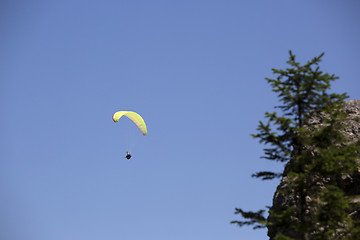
(193, 69)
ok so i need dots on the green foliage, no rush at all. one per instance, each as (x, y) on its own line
(256, 218)
(317, 156)
(332, 214)
(281, 236)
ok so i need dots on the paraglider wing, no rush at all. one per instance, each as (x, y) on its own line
(136, 118)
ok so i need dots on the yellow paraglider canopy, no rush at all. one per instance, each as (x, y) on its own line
(136, 118)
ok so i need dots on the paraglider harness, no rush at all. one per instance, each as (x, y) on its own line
(128, 156)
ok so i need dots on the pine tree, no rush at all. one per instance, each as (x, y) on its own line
(317, 156)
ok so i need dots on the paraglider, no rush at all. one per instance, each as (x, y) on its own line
(133, 116)
(136, 118)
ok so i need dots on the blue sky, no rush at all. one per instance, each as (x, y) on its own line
(193, 69)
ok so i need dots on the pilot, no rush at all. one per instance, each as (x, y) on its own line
(128, 155)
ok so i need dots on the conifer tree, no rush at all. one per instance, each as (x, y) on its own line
(316, 157)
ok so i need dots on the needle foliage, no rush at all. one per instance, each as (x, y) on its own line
(317, 156)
